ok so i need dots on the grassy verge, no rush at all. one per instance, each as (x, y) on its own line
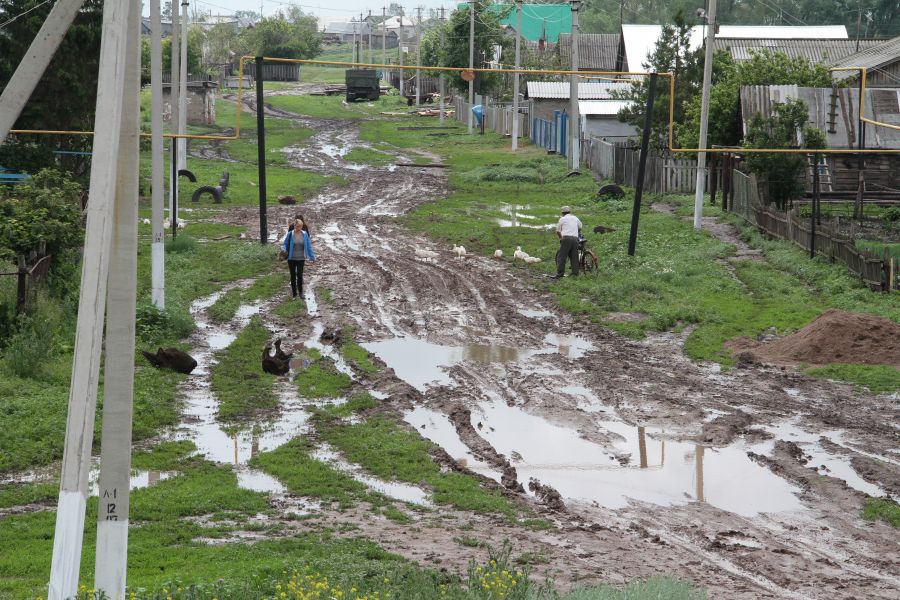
(262, 288)
(320, 379)
(391, 451)
(359, 357)
(883, 509)
(369, 156)
(238, 380)
(878, 378)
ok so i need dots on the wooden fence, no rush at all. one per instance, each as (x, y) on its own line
(620, 164)
(36, 272)
(878, 272)
(498, 118)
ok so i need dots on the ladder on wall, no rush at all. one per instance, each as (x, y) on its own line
(825, 181)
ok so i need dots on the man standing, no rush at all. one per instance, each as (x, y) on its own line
(569, 230)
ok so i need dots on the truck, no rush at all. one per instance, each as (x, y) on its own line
(362, 84)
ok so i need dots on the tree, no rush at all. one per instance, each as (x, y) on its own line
(196, 40)
(66, 95)
(764, 68)
(671, 54)
(788, 127)
(294, 35)
(455, 50)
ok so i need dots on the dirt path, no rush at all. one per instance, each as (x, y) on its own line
(733, 480)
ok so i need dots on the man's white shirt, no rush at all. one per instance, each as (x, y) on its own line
(569, 225)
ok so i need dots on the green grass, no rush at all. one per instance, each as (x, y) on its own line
(654, 588)
(20, 494)
(878, 378)
(165, 456)
(392, 451)
(262, 288)
(238, 381)
(883, 509)
(290, 308)
(359, 357)
(369, 156)
(335, 107)
(878, 248)
(321, 379)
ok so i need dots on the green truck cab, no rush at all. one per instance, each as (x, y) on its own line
(362, 84)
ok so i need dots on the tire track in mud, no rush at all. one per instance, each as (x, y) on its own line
(379, 284)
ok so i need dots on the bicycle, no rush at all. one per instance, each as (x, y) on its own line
(587, 259)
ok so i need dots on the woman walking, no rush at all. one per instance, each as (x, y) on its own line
(299, 250)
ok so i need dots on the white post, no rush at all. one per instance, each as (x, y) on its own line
(441, 78)
(73, 489)
(174, 93)
(111, 565)
(369, 27)
(574, 118)
(384, 40)
(157, 246)
(182, 92)
(34, 63)
(515, 123)
(401, 70)
(419, 58)
(471, 61)
(704, 114)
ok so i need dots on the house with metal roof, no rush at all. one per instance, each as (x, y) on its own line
(815, 50)
(882, 62)
(639, 41)
(548, 97)
(596, 51)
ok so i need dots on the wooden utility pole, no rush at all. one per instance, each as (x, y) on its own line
(157, 181)
(419, 57)
(515, 123)
(574, 118)
(26, 76)
(111, 564)
(104, 184)
(642, 165)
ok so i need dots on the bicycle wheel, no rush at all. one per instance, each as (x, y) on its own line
(589, 262)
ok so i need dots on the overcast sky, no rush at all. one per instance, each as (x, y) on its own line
(335, 10)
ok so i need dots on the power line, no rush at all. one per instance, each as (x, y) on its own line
(22, 14)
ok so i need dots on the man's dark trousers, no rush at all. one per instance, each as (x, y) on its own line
(568, 248)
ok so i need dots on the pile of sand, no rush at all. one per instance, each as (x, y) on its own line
(836, 336)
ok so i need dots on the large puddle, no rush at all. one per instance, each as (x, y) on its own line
(422, 364)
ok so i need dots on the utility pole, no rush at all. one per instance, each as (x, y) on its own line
(515, 123)
(574, 119)
(400, 47)
(182, 95)
(384, 39)
(861, 160)
(362, 29)
(858, 21)
(111, 564)
(471, 61)
(419, 57)
(353, 45)
(441, 78)
(704, 113)
(108, 155)
(157, 182)
(174, 89)
(369, 27)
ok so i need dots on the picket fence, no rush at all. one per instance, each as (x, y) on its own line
(498, 117)
(620, 164)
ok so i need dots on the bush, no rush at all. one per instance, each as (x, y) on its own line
(37, 338)
(153, 324)
(182, 243)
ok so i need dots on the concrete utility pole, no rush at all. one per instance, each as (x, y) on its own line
(105, 161)
(174, 93)
(353, 46)
(182, 90)
(400, 47)
(369, 27)
(111, 565)
(157, 183)
(384, 38)
(362, 29)
(515, 123)
(419, 57)
(471, 61)
(704, 114)
(574, 118)
(34, 63)
(441, 77)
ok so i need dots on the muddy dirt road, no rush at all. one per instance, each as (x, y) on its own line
(748, 482)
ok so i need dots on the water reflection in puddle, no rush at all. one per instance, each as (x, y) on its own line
(421, 363)
(659, 471)
(138, 479)
(437, 427)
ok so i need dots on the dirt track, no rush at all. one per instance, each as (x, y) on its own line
(573, 405)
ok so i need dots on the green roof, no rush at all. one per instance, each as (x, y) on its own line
(556, 18)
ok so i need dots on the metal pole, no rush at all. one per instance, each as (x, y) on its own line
(704, 113)
(174, 102)
(642, 164)
(173, 211)
(261, 150)
(441, 77)
(158, 185)
(574, 118)
(515, 123)
(815, 201)
(419, 57)
(32, 66)
(73, 490)
(471, 61)
(111, 563)
(182, 91)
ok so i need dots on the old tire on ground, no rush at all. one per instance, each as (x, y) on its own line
(215, 191)
(611, 190)
(223, 181)
(185, 173)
